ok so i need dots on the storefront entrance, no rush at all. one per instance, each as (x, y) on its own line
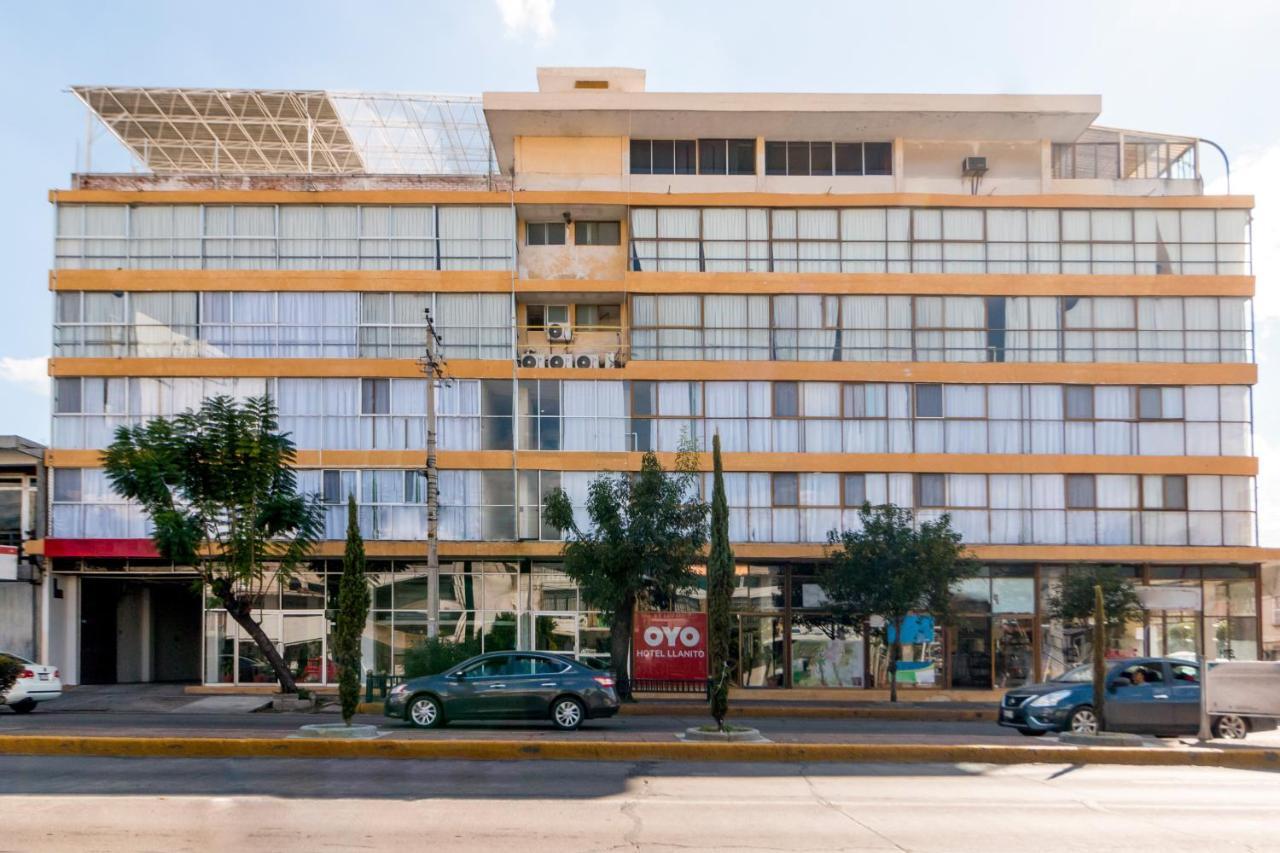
(138, 630)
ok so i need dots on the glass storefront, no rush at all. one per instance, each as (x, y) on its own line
(783, 631)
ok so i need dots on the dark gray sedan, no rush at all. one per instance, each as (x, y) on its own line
(507, 686)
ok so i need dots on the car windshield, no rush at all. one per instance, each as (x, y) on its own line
(1083, 672)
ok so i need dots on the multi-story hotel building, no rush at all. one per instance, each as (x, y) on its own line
(981, 305)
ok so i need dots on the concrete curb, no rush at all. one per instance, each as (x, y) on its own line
(508, 750)
(826, 712)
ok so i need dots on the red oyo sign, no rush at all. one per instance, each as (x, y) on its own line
(670, 647)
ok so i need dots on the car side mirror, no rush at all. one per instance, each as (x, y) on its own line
(456, 676)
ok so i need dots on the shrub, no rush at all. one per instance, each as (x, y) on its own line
(10, 669)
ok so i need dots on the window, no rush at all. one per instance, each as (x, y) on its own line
(606, 316)
(332, 487)
(66, 484)
(855, 490)
(596, 233)
(375, 396)
(544, 234)
(928, 401)
(537, 316)
(1185, 673)
(726, 156)
(663, 156)
(826, 158)
(931, 490)
(1081, 493)
(67, 396)
(1154, 404)
(786, 400)
(1164, 492)
(533, 665)
(786, 490)
(491, 668)
(1079, 402)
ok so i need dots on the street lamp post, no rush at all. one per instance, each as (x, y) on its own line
(434, 365)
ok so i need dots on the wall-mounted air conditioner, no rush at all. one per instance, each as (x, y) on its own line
(973, 167)
(530, 359)
(586, 359)
(559, 332)
(557, 360)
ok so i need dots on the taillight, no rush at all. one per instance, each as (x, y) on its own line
(26, 673)
(604, 680)
(57, 674)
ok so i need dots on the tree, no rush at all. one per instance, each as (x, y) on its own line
(719, 590)
(10, 671)
(646, 531)
(220, 490)
(1105, 598)
(353, 611)
(892, 568)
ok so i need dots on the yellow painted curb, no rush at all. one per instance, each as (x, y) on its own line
(509, 750)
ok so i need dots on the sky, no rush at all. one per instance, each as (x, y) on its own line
(1194, 68)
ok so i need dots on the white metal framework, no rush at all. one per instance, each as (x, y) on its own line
(279, 132)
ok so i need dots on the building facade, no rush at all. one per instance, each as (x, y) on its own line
(986, 306)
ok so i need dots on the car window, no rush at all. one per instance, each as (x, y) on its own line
(490, 668)
(1079, 673)
(546, 666)
(1140, 674)
(18, 658)
(534, 665)
(1185, 673)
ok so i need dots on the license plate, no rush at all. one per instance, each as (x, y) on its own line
(44, 676)
(1008, 715)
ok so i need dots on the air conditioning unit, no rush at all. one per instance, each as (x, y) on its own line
(559, 332)
(586, 359)
(530, 359)
(557, 360)
(973, 167)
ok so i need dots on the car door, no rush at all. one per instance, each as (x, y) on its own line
(481, 690)
(1138, 699)
(1184, 695)
(535, 681)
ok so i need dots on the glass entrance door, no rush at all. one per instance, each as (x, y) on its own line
(761, 658)
(1014, 651)
(971, 657)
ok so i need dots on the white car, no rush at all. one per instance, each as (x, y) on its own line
(36, 683)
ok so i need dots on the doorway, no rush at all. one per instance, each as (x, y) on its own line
(139, 630)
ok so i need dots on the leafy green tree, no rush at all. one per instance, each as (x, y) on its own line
(892, 568)
(220, 490)
(353, 612)
(646, 532)
(10, 670)
(719, 591)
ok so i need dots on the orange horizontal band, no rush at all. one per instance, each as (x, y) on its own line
(1145, 373)
(808, 551)
(404, 281)
(597, 197)
(954, 463)
(341, 281)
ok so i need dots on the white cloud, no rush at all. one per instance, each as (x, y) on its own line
(523, 17)
(29, 373)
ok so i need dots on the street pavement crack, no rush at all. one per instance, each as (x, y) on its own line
(804, 774)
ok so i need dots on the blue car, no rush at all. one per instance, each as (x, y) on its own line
(1157, 696)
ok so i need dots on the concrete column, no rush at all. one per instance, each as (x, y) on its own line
(899, 159)
(145, 631)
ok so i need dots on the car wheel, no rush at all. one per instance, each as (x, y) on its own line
(425, 712)
(1231, 727)
(1030, 732)
(1083, 721)
(26, 706)
(567, 713)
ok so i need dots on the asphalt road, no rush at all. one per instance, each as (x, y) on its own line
(658, 728)
(113, 804)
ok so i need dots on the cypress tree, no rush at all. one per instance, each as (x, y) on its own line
(719, 591)
(353, 610)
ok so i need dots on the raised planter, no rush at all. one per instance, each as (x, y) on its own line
(735, 734)
(337, 731)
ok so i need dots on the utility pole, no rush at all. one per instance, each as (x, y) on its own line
(434, 365)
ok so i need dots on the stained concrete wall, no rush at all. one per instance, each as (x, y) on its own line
(18, 617)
